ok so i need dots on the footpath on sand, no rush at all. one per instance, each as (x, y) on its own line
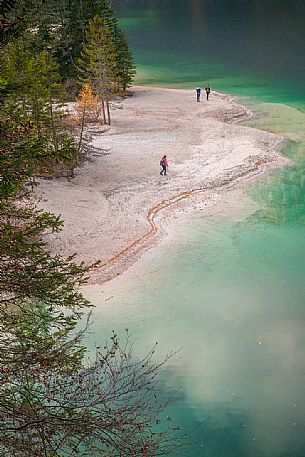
(110, 207)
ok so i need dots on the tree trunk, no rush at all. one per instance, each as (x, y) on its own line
(81, 9)
(37, 115)
(108, 112)
(82, 130)
(53, 127)
(103, 111)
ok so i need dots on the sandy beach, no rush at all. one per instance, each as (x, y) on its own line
(118, 205)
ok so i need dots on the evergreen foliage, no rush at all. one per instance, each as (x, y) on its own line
(125, 67)
(53, 400)
(16, 16)
(28, 270)
(106, 62)
(61, 25)
(99, 61)
(32, 134)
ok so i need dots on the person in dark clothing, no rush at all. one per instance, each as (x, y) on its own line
(207, 90)
(164, 165)
(198, 93)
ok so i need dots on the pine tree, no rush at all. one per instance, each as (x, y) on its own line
(32, 135)
(15, 17)
(126, 70)
(53, 400)
(125, 65)
(42, 85)
(98, 64)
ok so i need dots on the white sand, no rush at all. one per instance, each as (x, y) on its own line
(107, 206)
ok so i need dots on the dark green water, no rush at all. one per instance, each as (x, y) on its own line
(231, 290)
(253, 47)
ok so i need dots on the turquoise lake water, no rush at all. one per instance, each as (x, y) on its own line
(231, 292)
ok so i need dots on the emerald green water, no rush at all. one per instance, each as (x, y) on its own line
(230, 291)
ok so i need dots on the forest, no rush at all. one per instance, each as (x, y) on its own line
(54, 399)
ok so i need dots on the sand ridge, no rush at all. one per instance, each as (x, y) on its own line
(118, 204)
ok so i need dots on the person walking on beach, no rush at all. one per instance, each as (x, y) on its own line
(164, 165)
(207, 90)
(198, 93)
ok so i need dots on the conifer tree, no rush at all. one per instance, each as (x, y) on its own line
(53, 400)
(126, 68)
(125, 65)
(99, 62)
(16, 16)
(42, 86)
(31, 123)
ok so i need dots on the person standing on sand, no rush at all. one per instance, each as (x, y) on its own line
(164, 165)
(198, 93)
(207, 90)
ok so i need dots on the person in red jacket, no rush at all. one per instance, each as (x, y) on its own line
(164, 165)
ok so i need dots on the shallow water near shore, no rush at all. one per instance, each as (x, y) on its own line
(230, 289)
(223, 294)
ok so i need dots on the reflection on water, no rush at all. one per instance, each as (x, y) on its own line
(230, 289)
(237, 45)
(231, 294)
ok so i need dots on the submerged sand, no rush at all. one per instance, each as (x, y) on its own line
(118, 204)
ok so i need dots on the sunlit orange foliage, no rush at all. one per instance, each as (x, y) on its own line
(87, 104)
